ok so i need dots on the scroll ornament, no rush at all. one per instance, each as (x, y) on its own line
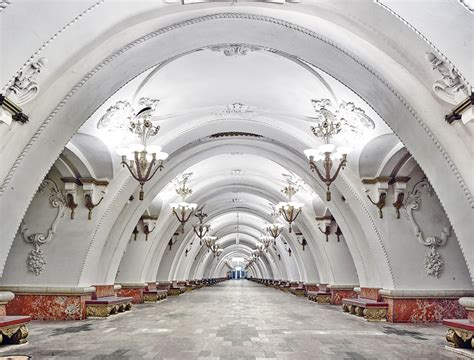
(36, 260)
(433, 262)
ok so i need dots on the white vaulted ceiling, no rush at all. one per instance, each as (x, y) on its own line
(235, 83)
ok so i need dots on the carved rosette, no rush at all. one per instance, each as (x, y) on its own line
(26, 86)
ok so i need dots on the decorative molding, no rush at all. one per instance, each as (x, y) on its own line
(235, 49)
(457, 112)
(25, 87)
(212, 17)
(234, 134)
(469, 5)
(451, 87)
(36, 261)
(433, 262)
(4, 4)
(276, 21)
(50, 40)
(236, 109)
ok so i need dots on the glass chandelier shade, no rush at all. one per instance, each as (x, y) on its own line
(260, 246)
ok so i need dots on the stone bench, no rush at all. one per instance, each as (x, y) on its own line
(152, 296)
(321, 297)
(13, 329)
(299, 290)
(108, 305)
(460, 333)
(371, 310)
(176, 289)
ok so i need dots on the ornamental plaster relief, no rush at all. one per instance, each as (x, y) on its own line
(26, 86)
(451, 87)
(36, 261)
(433, 262)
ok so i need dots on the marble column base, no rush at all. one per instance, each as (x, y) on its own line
(423, 306)
(48, 303)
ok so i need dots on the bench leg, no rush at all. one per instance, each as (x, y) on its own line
(359, 311)
(375, 314)
(345, 308)
(98, 311)
(460, 338)
(14, 335)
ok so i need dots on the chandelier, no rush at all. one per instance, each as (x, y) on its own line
(266, 241)
(141, 160)
(183, 210)
(274, 229)
(330, 124)
(201, 229)
(216, 250)
(209, 241)
(290, 209)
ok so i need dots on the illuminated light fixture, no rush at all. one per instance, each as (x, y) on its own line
(275, 228)
(201, 229)
(209, 241)
(216, 250)
(183, 210)
(290, 209)
(141, 160)
(330, 124)
(266, 241)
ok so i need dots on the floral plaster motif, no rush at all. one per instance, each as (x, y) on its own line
(3, 311)
(135, 293)
(49, 307)
(370, 293)
(338, 294)
(424, 310)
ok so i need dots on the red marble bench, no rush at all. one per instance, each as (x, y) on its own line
(312, 295)
(13, 329)
(189, 286)
(107, 305)
(371, 310)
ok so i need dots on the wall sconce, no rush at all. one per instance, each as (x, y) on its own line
(92, 190)
(70, 204)
(173, 240)
(303, 241)
(380, 203)
(186, 252)
(289, 252)
(338, 233)
(135, 232)
(9, 110)
(326, 221)
(398, 204)
(147, 221)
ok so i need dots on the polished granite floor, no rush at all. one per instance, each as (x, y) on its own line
(233, 320)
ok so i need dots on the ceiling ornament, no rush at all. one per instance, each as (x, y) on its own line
(25, 87)
(142, 160)
(433, 262)
(36, 260)
(236, 109)
(235, 49)
(183, 210)
(451, 87)
(329, 123)
(290, 210)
